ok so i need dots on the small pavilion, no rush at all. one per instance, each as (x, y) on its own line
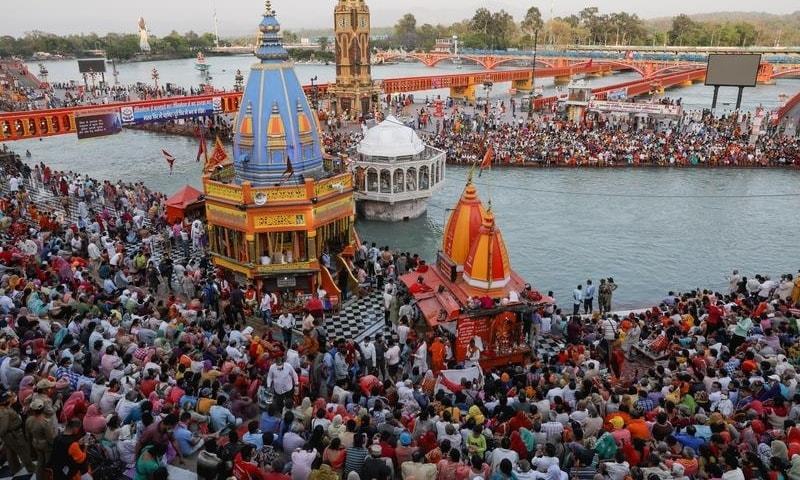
(396, 172)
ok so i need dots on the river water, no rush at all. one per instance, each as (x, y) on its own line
(651, 229)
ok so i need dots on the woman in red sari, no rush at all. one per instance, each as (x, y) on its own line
(617, 359)
(519, 446)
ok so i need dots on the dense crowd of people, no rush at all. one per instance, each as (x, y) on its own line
(217, 126)
(18, 87)
(698, 140)
(115, 360)
(64, 95)
(33, 95)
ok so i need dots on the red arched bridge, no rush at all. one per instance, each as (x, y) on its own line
(45, 123)
(645, 68)
(431, 59)
(786, 108)
(490, 62)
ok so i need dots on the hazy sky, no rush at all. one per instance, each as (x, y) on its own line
(241, 16)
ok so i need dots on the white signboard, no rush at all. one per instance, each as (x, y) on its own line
(616, 95)
(628, 107)
(455, 376)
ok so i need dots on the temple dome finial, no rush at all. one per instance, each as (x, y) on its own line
(271, 127)
(270, 46)
(487, 267)
(463, 226)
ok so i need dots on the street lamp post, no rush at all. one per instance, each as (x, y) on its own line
(533, 71)
(238, 81)
(114, 72)
(487, 86)
(314, 93)
(43, 73)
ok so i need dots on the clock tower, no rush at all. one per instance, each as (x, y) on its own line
(354, 91)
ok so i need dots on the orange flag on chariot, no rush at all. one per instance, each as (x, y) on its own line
(219, 157)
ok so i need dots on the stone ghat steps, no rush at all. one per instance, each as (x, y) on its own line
(46, 201)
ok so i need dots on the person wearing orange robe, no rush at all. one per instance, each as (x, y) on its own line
(437, 350)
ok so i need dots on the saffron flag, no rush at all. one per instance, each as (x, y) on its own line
(202, 148)
(219, 157)
(488, 158)
(169, 158)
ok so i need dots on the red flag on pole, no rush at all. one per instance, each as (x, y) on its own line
(488, 158)
(169, 158)
(202, 149)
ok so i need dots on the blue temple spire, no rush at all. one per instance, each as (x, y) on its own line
(270, 47)
(275, 118)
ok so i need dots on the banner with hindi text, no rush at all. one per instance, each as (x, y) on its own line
(137, 115)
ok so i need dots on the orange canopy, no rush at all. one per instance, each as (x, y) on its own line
(177, 203)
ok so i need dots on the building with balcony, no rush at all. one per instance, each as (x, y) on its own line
(395, 172)
(275, 211)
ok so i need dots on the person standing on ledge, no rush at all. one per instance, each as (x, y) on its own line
(588, 297)
(577, 300)
(611, 287)
(602, 295)
(605, 291)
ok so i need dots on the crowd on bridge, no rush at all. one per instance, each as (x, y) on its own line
(17, 85)
(114, 358)
(74, 94)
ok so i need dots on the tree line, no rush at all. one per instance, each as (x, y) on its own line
(499, 30)
(117, 46)
(486, 29)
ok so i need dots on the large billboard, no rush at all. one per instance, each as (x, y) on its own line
(732, 70)
(92, 65)
(136, 115)
(98, 123)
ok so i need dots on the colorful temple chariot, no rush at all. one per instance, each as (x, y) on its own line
(472, 291)
(276, 209)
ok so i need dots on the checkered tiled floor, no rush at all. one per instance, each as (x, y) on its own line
(5, 474)
(364, 316)
(549, 346)
(357, 318)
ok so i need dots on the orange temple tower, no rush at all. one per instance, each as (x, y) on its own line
(472, 289)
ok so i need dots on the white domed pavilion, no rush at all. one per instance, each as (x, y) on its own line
(396, 172)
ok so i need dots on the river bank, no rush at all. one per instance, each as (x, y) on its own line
(605, 165)
(223, 132)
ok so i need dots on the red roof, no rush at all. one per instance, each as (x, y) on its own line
(183, 197)
(453, 295)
